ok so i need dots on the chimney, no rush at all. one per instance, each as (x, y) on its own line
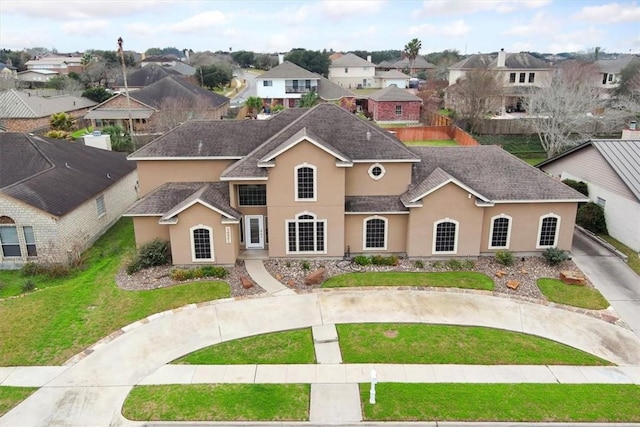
(368, 58)
(280, 58)
(502, 56)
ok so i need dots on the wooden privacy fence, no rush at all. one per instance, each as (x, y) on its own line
(431, 133)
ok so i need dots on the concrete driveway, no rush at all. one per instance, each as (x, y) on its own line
(611, 276)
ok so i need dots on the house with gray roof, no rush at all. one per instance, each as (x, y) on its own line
(610, 69)
(352, 72)
(322, 183)
(145, 76)
(393, 105)
(57, 197)
(611, 170)
(25, 112)
(159, 106)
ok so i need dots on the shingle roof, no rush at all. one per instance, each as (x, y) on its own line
(356, 138)
(287, 70)
(17, 104)
(371, 204)
(393, 93)
(512, 60)
(56, 176)
(616, 65)
(177, 88)
(216, 138)
(106, 114)
(172, 196)
(623, 155)
(419, 62)
(329, 91)
(480, 60)
(351, 60)
(393, 74)
(488, 170)
(147, 75)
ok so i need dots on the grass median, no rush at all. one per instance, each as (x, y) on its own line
(453, 279)
(578, 296)
(11, 396)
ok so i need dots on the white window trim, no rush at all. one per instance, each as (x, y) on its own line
(315, 182)
(435, 234)
(193, 244)
(104, 206)
(364, 233)
(508, 231)
(372, 176)
(557, 233)
(297, 218)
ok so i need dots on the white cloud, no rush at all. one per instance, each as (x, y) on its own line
(610, 13)
(279, 42)
(343, 9)
(577, 40)
(141, 29)
(456, 7)
(420, 30)
(199, 22)
(539, 24)
(521, 47)
(70, 9)
(85, 27)
(456, 29)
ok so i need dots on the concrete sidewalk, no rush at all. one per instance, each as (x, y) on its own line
(92, 391)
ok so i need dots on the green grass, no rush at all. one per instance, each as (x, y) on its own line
(457, 279)
(525, 147)
(219, 402)
(577, 296)
(503, 402)
(49, 326)
(634, 260)
(287, 347)
(432, 143)
(535, 160)
(447, 344)
(82, 132)
(11, 396)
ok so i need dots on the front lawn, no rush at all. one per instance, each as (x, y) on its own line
(219, 402)
(578, 296)
(503, 402)
(443, 344)
(49, 326)
(432, 143)
(287, 347)
(455, 279)
(10, 397)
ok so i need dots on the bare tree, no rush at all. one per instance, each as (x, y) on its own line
(175, 111)
(570, 108)
(478, 93)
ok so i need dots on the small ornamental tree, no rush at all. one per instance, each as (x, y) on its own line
(61, 121)
(591, 216)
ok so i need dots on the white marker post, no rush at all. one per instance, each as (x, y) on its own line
(372, 391)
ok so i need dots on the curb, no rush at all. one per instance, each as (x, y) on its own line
(608, 246)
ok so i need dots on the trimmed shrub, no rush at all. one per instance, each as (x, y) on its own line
(180, 274)
(505, 257)
(362, 260)
(555, 256)
(30, 269)
(591, 217)
(468, 264)
(154, 253)
(418, 264)
(454, 264)
(436, 265)
(305, 265)
(214, 271)
(385, 260)
(578, 186)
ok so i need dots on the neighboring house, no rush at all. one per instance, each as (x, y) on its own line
(60, 63)
(352, 72)
(393, 104)
(419, 65)
(285, 84)
(145, 76)
(519, 73)
(57, 197)
(37, 76)
(8, 72)
(163, 60)
(160, 106)
(611, 169)
(609, 77)
(321, 182)
(23, 112)
(392, 77)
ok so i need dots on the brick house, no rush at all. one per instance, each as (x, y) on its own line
(57, 197)
(393, 104)
(321, 182)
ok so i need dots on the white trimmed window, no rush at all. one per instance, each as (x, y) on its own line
(376, 171)
(30, 240)
(500, 232)
(201, 243)
(305, 176)
(306, 234)
(252, 195)
(100, 206)
(398, 110)
(375, 233)
(267, 83)
(445, 236)
(548, 231)
(9, 237)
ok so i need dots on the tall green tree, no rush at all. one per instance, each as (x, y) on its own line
(311, 60)
(629, 80)
(412, 50)
(244, 58)
(212, 76)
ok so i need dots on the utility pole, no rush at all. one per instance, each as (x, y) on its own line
(126, 87)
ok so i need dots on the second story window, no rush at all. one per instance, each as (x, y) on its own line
(512, 77)
(305, 182)
(266, 83)
(522, 77)
(532, 77)
(252, 195)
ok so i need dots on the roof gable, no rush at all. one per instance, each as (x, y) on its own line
(307, 136)
(394, 93)
(288, 70)
(175, 87)
(210, 197)
(436, 180)
(351, 60)
(18, 104)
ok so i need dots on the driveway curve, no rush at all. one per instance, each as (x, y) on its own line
(91, 392)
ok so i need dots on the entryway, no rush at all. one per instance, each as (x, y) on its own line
(254, 231)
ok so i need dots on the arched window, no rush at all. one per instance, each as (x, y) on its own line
(9, 237)
(306, 234)
(202, 243)
(445, 236)
(375, 233)
(305, 182)
(548, 231)
(500, 232)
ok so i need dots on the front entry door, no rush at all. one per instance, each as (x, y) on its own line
(254, 231)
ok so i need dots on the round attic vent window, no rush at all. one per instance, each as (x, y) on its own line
(376, 171)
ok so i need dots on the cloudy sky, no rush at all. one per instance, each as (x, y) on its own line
(268, 26)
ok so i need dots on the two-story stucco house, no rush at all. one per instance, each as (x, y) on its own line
(519, 74)
(352, 72)
(321, 182)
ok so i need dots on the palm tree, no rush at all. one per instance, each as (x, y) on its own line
(254, 104)
(412, 49)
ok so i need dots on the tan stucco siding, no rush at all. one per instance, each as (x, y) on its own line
(396, 233)
(199, 215)
(329, 203)
(396, 179)
(526, 222)
(589, 166)
(154, 173)
(450, 202)
(147, 228)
